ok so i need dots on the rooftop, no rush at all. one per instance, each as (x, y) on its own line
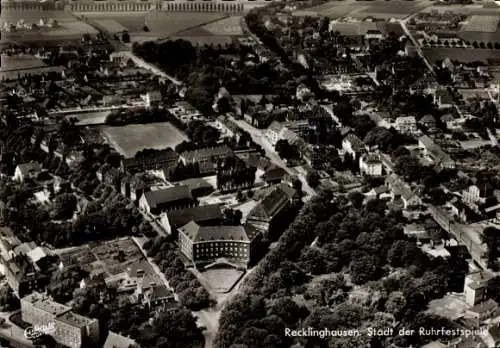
(197, 214)
(75, 320)
(207, 153)
(170, 194)
(118, 341)
(199, 233)
(45, 304)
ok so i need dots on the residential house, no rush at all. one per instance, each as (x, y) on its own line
(151, 293)
(374, 34)
(416, 231)
(118, 341)
(352, 145)
(429, 122)
(406, 125)
(286, 131)
(440, 158)
(443, 99)
(267, 213)
(172, 198)
(370, 164)
(206, 244)
(400, 190)
(379, 192)
(27, 171)
(210, 214)
(274, 175)
(206, 158)
(483, 311)
(155, 160)
(475, 287)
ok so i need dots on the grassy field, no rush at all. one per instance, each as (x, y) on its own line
(461, 54)
(222, 279)
(362, 9)
(133, 22)
(227, 26)
(170, 23)
(111, 25)
(107, 253)
(132, 138)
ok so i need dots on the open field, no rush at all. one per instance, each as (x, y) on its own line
(11, 67)
(205, 40)
(227, 26)
(487, 24)
(132, 138)
(111, 25)
(170, 23)
(32, 16)
(461, 54)
(362, 9)
(222, 280)
(88, 118)
(133, 22)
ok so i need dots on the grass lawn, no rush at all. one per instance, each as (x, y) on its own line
(132, 138)
(170, 23)
(222, 279)
(460, 54)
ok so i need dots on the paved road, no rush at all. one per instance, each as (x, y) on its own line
(12, 332)
(416, 44)
(258, 138)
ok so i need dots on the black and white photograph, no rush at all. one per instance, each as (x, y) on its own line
(249, 174)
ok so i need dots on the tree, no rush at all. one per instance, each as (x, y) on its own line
(313, 178)
(145, 28)
(176, 328)
(365, 268)
(64, 206)
(125, 37)
(64, 282)
(195, 298)
(8, 301)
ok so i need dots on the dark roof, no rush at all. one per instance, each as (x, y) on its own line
(197, 233)
(167, 155)
(427, 119)
(272, 174)
(198, 214)
(29, 168)
(270, 206)
(161, 292)
(170, 194)
(196, 183)
(207, 153)
(257, 161)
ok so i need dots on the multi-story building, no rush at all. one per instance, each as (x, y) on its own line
(155, 160)
(370, 164)
(475, 286)
(267, 215)
(406, 125)
(172, 198)
(206, 158)
(353, 145)
(206, 244)
(69, 328)
(210, 214)
(440, 158)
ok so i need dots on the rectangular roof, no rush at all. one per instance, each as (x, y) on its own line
(171, 194)
(198, 214)
(43, 303)
(75, 320)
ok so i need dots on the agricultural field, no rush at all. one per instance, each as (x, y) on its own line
(230, 26)
(170, 23)
(461, 54)
(133, 22)
(488, 24)
(13, 66)
(204, 40)
(362, 9)
(132, 138)
(111, 25)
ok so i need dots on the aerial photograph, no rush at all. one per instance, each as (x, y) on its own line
(249, 174)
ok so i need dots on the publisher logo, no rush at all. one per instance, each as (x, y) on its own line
(36, 331)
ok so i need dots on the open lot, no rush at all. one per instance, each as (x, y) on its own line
(222, 280)
(111, 25)
(104, 258)
(13, 66)
(132, 138)
(133, 22)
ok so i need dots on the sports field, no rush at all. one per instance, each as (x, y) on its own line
(129, 139)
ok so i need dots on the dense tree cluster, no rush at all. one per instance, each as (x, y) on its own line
(64, 282)
(191, 293)
(202, 134)
(122, 117)
(232, 174)
(363, 241)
